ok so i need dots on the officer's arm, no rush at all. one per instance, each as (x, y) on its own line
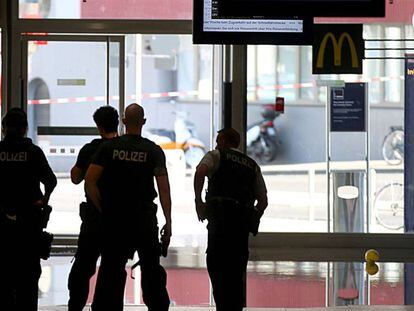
(165, 200)
(77, 175)
(78, 171)
(50, 183)
(260, 191)
(47, 177)
(261, 201)
(199, 177)
(92, 176)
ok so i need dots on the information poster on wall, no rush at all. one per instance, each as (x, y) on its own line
(408, 170)
(348, 108)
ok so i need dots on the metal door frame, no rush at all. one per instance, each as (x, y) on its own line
(25, 38)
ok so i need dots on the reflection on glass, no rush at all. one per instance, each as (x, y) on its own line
(303, 284)
(104, 9)
(387, 286)
(286, 284)
(348, 283)
(187, 286)
(269, 284)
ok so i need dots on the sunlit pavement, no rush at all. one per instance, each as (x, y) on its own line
(346, 308)
(297, 201)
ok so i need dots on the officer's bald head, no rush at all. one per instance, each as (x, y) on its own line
(134, 116)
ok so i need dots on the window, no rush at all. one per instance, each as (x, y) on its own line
(266, 73)
(105, 9)
(393, 67)
(287, 72)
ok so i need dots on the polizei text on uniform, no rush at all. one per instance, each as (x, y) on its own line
(240, 160)
(13, 156)
(127, 155)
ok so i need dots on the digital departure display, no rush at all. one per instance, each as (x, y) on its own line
(215, 24)
(211, 29)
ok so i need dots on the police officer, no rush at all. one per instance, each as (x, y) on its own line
(89, 241)
(125, 168)
(23, 166)
(235, 200)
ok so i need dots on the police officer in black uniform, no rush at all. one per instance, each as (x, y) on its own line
(125, 168)
(23, 166)
(235, 200)
(89, 241)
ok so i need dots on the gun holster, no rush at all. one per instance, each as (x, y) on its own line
(45, 215)
(45, 246)
(253, 220)
(221, 209)
(87, 212)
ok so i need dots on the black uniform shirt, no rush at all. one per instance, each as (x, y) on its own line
(23, 166)
(86, 154)
(235, 181)
(130, 163)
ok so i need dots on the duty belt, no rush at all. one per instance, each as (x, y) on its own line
(222, 200)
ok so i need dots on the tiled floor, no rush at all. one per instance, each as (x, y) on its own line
(347, 308)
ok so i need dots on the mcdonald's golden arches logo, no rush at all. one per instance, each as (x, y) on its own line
(338, 49)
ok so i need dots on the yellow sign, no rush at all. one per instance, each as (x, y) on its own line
(347, 51)
(337, 49)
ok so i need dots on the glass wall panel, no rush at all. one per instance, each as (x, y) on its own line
(307, 90)
(393, 67)
(171, 78)
(105, 9)
(374, 68)
(266, 73)
(289, 146)
(66, 84)
(167, 74)
(287, 71)
(294, 162)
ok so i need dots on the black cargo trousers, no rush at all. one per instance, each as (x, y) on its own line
(227, 253)
(122, 239)
(87, 254)
(20, 268)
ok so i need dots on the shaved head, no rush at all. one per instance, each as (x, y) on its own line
(134, 114)
(134, 117)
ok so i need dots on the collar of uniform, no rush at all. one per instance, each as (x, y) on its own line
(133, 135)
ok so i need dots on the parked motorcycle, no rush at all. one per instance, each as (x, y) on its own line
(183, 137)
(262, 137)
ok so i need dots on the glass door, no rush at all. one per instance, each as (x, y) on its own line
(65, 79)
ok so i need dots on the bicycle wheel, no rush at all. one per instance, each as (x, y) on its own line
(389, 206)
(393, 147)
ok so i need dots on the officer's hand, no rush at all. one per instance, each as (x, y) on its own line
(201, 210)
(165, 239)
(166, 231)
(40, 203)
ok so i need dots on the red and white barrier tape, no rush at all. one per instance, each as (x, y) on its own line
(193, 93)
(103, 98)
